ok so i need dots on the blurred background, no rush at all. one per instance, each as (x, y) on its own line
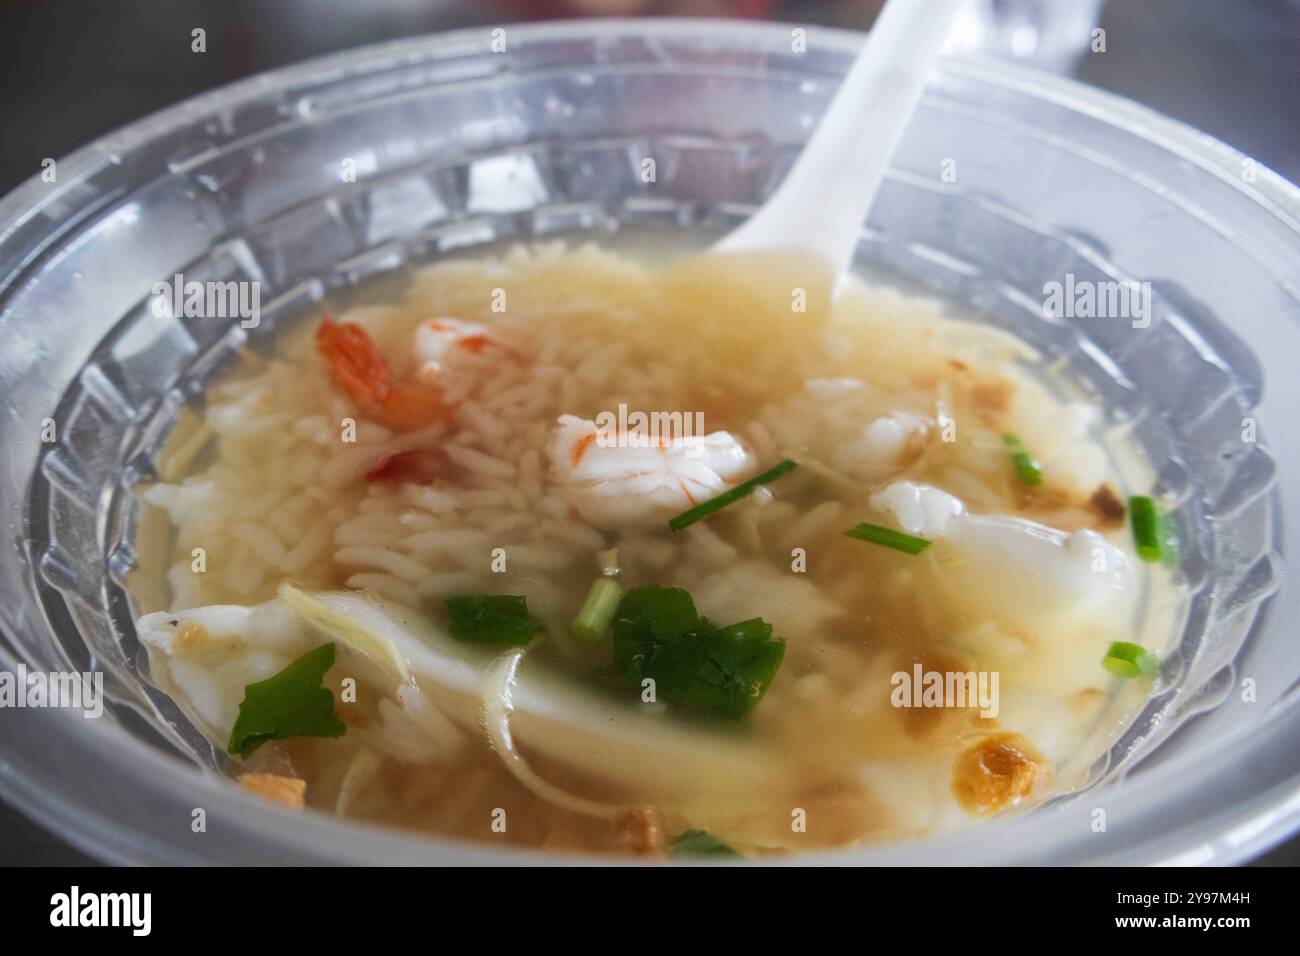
(72, 70)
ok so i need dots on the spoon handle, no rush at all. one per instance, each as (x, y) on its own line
(823, 201)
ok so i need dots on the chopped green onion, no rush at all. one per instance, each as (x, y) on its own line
(1146, 527)
(700, 843)
(696, 668)
(701, 511)
(1129, 660)
(291, 703)
(907, 543)
(1027, 469)
(597, 611)
(491, 619)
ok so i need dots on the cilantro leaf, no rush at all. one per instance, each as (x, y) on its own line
(719, 672)
(491, 619)
(700, 843)
(661, 614)
(291, 703)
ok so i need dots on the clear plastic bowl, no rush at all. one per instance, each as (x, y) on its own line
(455, 146)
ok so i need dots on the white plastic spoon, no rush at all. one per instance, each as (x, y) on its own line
(820, 206)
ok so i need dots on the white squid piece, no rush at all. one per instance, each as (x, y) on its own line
(433, 687)
(435, 338)
(1011, 567)
(883, 446)
(619, 480)
(211, 653)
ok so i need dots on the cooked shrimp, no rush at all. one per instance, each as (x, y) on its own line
(409, 407)
(355, 362)
(1054, 572)
(418, 466)
(618, 479)
(361, 370)
(435, 338)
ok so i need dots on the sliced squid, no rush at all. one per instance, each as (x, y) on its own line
(619, 480)
(883, 446)
(227, 647)
(1009, 566)
(211, 653)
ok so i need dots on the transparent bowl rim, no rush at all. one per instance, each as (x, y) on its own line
(1259, 823)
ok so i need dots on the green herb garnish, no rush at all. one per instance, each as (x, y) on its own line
(907, 543)
(597, 611)
(1146, 527)
(718, 672)
(701, 511)
(291, 703)
(491, 619)
(1129, 660)
(700, 843)
(1027, 469)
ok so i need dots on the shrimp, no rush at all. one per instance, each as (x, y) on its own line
(618, 480)
(436, 337)
(419, 466)
(356, 363)
(410, 407)
(360, 369)
(1052, 572)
